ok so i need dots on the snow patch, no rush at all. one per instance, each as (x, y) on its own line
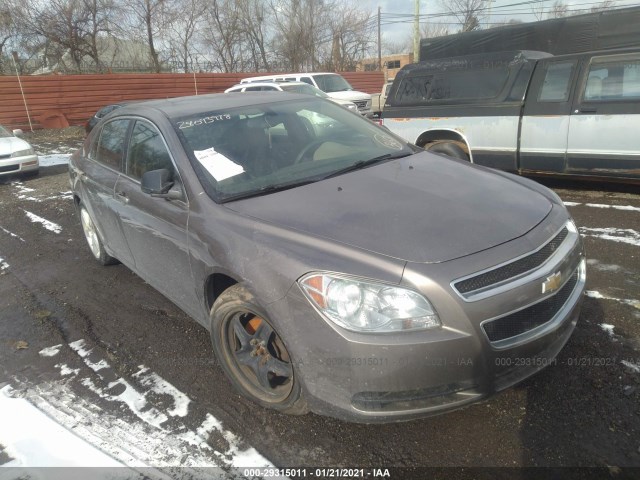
(33, 439)
(626, 301)
(627, 208)
(133, 399)
(608, 328)
(571, 204)
(54, 159)
(620, 235)
(11, 234)
(633, 366)
(65, 370)
(53, 227)
(139, 444)
(159, 385)
(50, 351)
(3, 265)
(603, 267)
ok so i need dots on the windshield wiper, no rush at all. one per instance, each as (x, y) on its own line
(365, 163)
(267, 189)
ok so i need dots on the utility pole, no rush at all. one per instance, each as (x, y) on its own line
(416, 33)
(379, 42)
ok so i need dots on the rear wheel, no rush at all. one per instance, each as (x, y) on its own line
(451, 149)
(93, 239)
(253, 354)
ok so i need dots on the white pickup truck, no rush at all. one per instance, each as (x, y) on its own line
(332, 84)
(379, 99)
(526, 112)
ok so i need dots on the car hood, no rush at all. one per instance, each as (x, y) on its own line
(350, 95)
(424, 208)
(8, 145)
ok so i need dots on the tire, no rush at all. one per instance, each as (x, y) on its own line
(252, 353)
(93, 239)
(449, 149)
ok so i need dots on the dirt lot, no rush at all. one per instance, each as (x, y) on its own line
(582, 412)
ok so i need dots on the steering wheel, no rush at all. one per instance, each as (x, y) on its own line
(311, 148)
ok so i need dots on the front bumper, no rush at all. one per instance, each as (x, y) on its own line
(28, 163)
(393, 377)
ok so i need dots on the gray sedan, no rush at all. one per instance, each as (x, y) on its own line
(337, 268)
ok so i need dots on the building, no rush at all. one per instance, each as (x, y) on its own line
(391, 64)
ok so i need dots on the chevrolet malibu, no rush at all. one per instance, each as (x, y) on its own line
(337, 268)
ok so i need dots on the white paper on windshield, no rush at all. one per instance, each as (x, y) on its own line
(219, 166)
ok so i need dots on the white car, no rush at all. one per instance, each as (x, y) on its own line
(16, 155)
(297, 87)
(332, 84)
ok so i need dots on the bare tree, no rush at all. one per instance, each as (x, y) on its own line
(469, 13)
(254, 16)
(152, 17)
(606, 5)
(7, 32)
(222, 37)
(558, 10)
(352, 36)
(182, 32)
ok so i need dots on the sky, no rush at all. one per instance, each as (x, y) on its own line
(398, 29)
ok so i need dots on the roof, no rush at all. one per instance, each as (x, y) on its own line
(183, 106)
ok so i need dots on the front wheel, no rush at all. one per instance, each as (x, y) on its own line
(253, 354)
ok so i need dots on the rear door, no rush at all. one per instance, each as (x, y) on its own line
(101, 171)
(545, 121)
(156, 228)
(603, 131)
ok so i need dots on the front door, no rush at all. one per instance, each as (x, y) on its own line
(156, 228)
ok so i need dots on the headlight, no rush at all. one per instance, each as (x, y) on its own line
(363, 306)
(571, 226)
(22, 153)
(352, 106)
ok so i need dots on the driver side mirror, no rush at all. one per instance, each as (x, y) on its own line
(158, 183)
(18, 132)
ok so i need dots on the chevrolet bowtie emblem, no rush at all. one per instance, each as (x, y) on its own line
(552, 283)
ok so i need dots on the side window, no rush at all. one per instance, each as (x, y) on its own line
(147, 151)
(306, 80)
(557, 82)
(618, 80)
(111, 144)
(253, 89)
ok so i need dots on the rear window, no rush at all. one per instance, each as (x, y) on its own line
(451, 87)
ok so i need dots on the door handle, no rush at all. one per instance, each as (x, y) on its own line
(587, 110)
(122, 197)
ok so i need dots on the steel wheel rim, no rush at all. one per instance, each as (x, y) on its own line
(90, 233)
(259, 359)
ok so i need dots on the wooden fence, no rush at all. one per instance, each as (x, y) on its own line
(55, 101)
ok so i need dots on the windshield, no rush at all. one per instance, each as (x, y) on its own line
(303, 88)
(259, 149)
(332, 83)
(4, 133)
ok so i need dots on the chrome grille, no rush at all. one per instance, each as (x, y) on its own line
(361, 104)
(512, 269)
(531, 317)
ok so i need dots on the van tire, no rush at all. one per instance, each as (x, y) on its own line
(450, 149)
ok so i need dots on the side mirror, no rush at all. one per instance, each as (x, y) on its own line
(158, 183)
(18, 132)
